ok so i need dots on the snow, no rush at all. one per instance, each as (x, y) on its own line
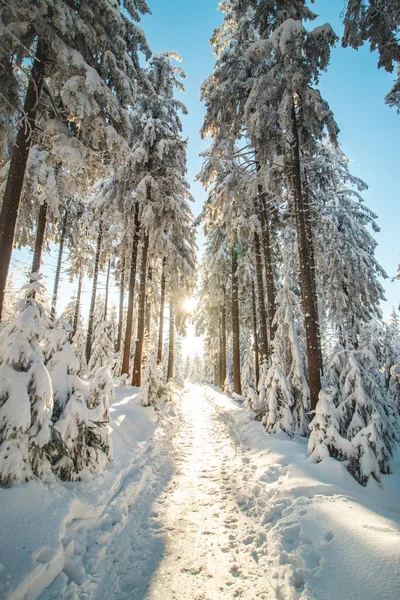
(201, 503)
(39, 515)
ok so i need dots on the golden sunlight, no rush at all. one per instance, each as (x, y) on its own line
(190, 305)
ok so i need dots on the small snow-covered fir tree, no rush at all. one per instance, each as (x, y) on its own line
(62, 366)
(103, 340)
(248, 378)
(79, 346)
(325, 439)
(88, 451)
(151, 388)
(360, 412)
(179, 367)
(26, 397)
(278, 400)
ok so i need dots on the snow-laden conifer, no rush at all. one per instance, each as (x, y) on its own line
(87, 445)
(278, 401)
(360, 412)
(62, 365)
(151, 388)
(26, 395)
(103, 339)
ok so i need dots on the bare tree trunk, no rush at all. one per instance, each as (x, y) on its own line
(161, 324)
(308, 299)
(148, 304)
(77, 305)
(107, 286)
(39, 241)
(170, 369)
(16, 174)
(269, 269)
(311, 257)
(264, 349)
(94, 292)
(137, 363)
(121, 301)
(223, 344)
(59, 263)
(132, 279)
(235, 326)
(255, 334)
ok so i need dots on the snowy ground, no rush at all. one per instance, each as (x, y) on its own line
(204, 507)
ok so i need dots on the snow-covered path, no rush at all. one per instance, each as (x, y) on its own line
(207, 530)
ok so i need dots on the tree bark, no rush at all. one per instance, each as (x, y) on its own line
(255, 334)
(264, 349)
(77, 305)
(94, 292)
(170, 368)
(121, 302)
(132, 279)
(269, 269)
(39, 241)
(235, 326)
(161, 324)
(263, 213)
(107, 286)
(311, 257)
(137, 363)
(59, 263)
(16, 174)
(222, 375)
(148, 304)
(308, 296)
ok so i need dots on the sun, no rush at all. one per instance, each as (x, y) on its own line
(190, 305)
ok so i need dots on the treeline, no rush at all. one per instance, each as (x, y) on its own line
(290, 286)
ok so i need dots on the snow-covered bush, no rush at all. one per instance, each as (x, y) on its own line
(26, 397)
(355, 418)
(87, 448)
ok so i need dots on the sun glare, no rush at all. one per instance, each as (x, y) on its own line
(190, 305)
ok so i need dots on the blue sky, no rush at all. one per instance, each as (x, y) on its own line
(353, 86)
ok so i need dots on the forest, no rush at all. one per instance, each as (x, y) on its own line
(287, 289)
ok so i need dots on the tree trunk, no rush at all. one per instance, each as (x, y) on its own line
(16, 174)
(161, 324)
(94, 292)
(170, 369)
(311, 258)
(308, 299)
(77, 305)
(222, 376)
(256, 355)
(148, 304)
(107, 286)
(269, 269)
(235, 326)
(40, 231)
(121, 302)
(137, 363)
(132, 279)
(59, 263)
(264, 350)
